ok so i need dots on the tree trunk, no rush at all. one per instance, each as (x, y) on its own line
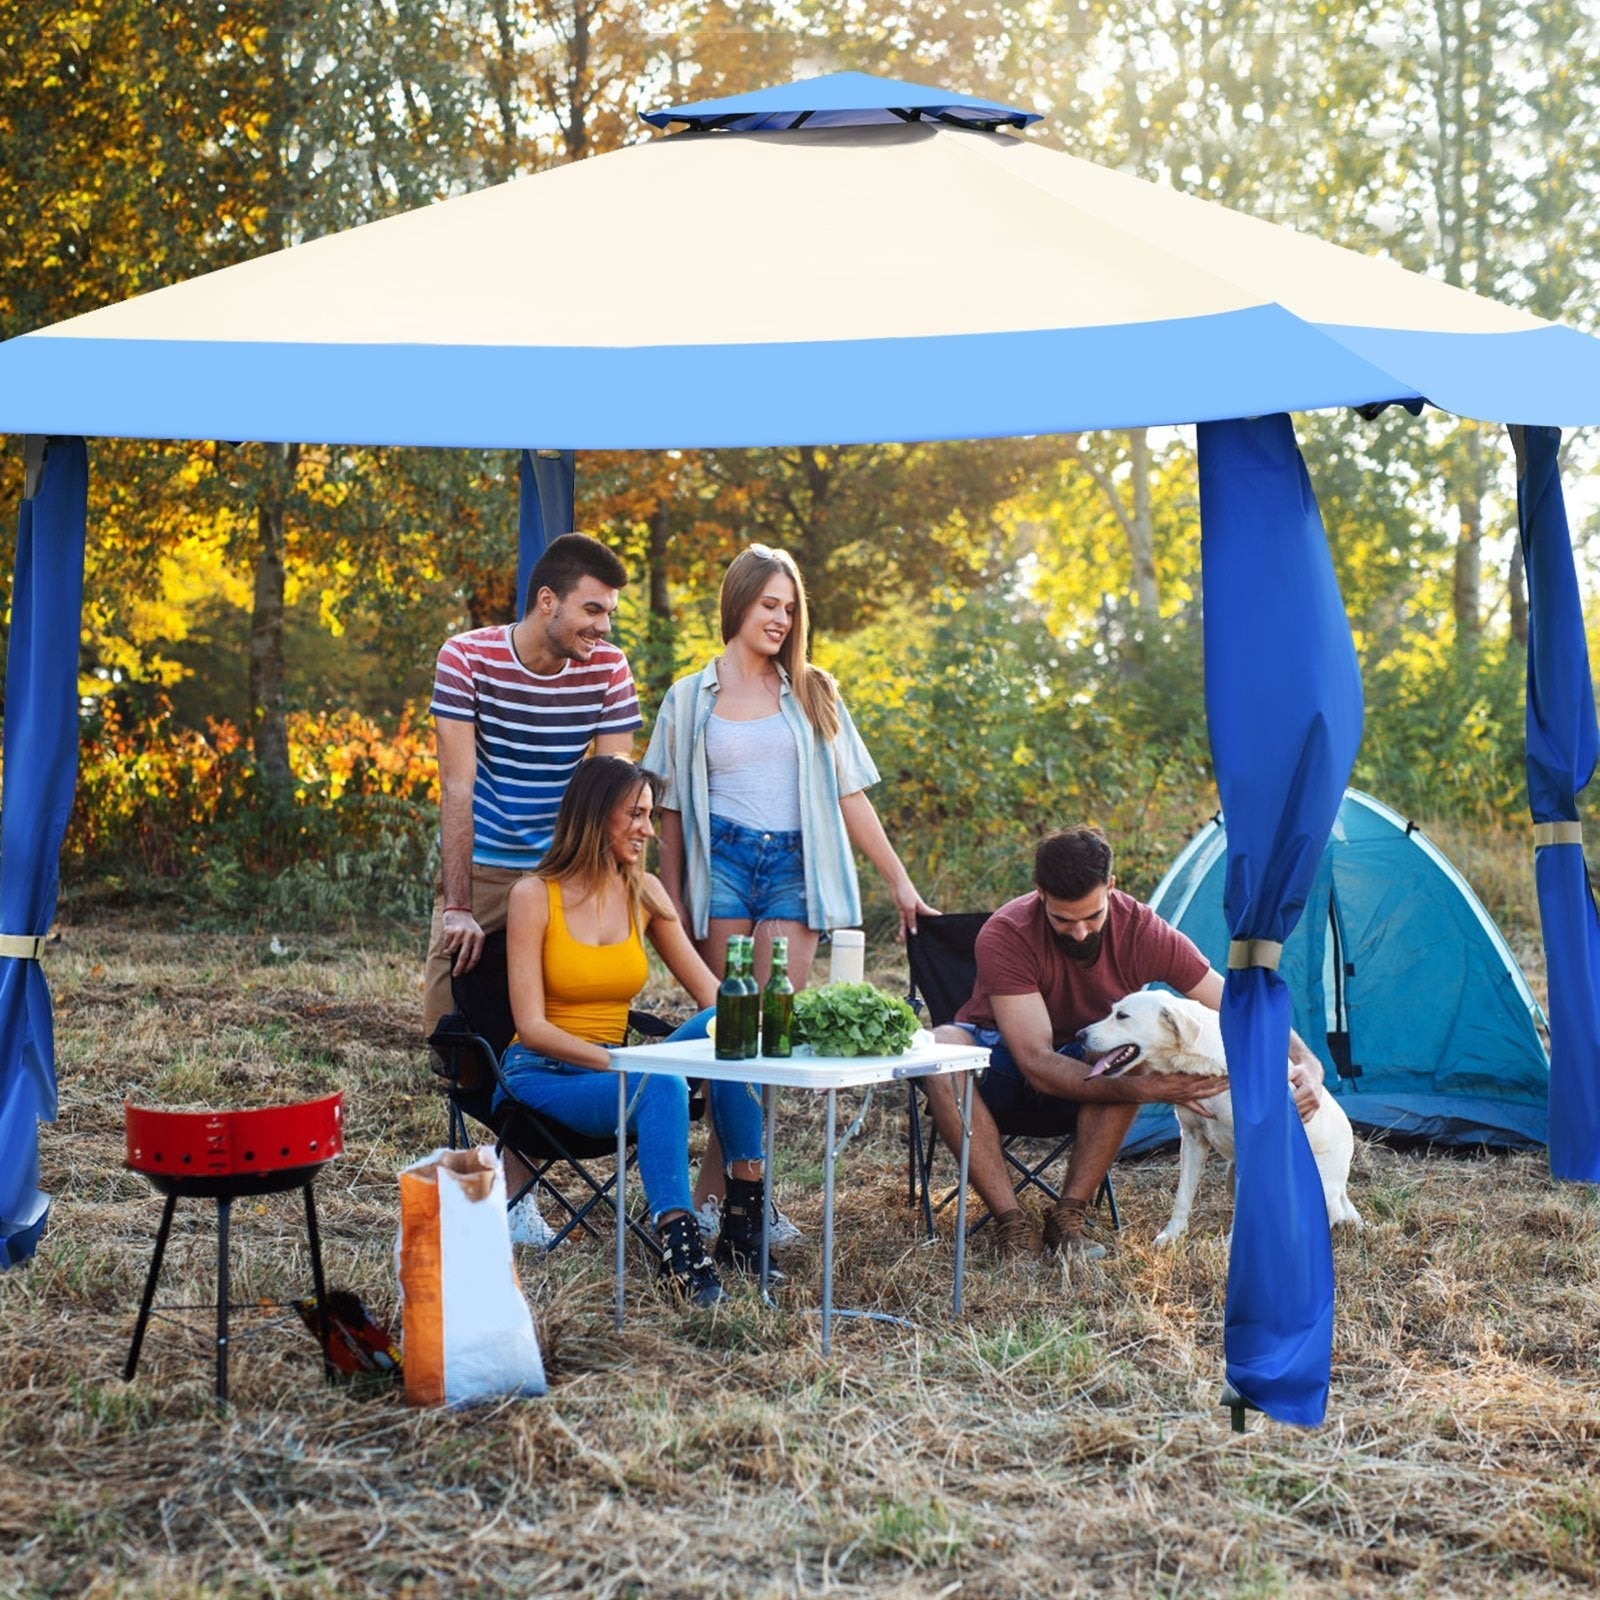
(1142, 532)
(1469, 547)
(1518, 580)
(663, 632)
(267, 698)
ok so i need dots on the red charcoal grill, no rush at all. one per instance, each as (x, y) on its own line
(227, 1156)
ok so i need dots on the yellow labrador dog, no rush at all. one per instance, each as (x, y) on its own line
(1161, 1032)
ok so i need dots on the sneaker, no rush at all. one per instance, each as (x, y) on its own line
(780, 1230)
(1019, 1233)
(709, 1220)
(527, 1226)
(1064, 1223)
(686, 1270)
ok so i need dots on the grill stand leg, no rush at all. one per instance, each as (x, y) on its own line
(321, 1287)
(224, 1207)
(132, 1364)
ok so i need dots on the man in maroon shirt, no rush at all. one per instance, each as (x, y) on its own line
(1050, 963)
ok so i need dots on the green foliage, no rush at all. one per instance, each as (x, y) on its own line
(853, 1019)
(989, 733)
(169, 815)
(1445, 736)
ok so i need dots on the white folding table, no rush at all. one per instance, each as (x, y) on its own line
(696, 1058)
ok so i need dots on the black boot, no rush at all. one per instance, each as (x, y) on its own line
(743, 1223)
(685, 1267)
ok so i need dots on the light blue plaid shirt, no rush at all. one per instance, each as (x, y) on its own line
(677, 755)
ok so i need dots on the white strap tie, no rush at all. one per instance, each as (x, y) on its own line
(1243, 953)
(1556, 833)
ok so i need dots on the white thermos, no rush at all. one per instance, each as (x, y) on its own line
(848, 963)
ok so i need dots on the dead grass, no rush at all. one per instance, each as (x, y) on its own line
(1063, 1439)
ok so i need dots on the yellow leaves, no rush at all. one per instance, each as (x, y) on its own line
(1023, 756)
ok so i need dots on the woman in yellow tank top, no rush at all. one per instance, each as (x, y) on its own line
(576, 959)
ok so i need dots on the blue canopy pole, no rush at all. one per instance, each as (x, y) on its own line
(41, 770)
(548, 480)
(1283, 700)
(1563, 744)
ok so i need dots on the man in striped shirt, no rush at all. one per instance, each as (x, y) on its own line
(515, 709)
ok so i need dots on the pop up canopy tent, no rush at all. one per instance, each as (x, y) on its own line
(799, 265)
(1400, 982)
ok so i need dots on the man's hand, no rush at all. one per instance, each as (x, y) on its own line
(1181, 1089)
(463, 939)
(1305, 1081)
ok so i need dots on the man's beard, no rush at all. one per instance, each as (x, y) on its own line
(1083, 950)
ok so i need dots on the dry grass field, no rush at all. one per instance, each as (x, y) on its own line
(1064, 1438)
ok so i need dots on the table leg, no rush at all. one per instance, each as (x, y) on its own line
(769, 1129)
(827, 1225)
(961, 1191)
(619, 1189)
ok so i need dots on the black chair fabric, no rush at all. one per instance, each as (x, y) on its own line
(471, 1044)
(943, 969)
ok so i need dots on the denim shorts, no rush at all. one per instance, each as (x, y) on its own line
(1014, 1102)
(757, 875)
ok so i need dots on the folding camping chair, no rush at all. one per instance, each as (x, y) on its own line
(943, 968)
(471, 1042)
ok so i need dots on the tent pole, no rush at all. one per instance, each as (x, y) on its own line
(547, 482)
(1283, 707)
(41, 771)
(1563, 746)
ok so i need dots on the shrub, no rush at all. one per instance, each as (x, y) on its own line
(166, 812)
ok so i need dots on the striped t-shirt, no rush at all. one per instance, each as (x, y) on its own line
(531, 731)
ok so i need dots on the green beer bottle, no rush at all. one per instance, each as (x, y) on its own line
(730, 1006)
(777, 1005)
(750, 1033)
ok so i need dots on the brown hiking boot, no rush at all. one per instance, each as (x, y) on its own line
(1064, 1223)
(1019, 1233)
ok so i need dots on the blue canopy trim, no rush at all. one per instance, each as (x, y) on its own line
(666, 396)
(839, 99)
(1563, 745)
(1283, 700)
(41, 770)
(967, 386)
(547, 481)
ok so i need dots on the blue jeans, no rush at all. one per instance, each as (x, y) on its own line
(658, 1112)
(757, 875)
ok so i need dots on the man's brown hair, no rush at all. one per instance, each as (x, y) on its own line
(566, 561)
(1072, 863)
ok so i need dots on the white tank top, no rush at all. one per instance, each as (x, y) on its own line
(754, 773)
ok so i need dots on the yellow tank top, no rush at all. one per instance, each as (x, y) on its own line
(589, 987)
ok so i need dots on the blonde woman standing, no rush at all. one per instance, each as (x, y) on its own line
(764, 782)
(764, 787)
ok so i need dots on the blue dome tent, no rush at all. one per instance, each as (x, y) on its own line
(755, 279)
(1401, 983)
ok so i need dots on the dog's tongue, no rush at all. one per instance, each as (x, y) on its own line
(1113, 1059)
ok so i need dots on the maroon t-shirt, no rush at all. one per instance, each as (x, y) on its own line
(1017, 954)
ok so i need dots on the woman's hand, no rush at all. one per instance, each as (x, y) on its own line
(910, 905)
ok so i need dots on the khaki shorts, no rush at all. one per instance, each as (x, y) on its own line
(491, 889)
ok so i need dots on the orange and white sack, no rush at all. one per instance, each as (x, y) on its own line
(467, 1332)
